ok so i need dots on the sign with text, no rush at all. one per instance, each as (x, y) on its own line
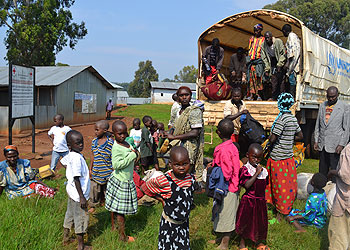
(22, 91)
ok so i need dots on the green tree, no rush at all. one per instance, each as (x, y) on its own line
(168, 80)
(61, 64)
(187, 74)
(140, 86)
(38, 29)
(125, 85)
(328, 18)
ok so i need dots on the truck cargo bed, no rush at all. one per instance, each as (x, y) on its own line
(263, 111)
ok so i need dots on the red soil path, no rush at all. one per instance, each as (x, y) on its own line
(43, 145)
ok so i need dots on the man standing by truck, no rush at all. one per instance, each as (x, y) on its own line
(255, 66)
(331, 130)
(274, 57)
(293, 57)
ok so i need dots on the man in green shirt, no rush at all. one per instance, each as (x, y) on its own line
(273, 54)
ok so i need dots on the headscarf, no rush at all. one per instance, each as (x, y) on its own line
(284, 102)
(9, 148)
(258, 26)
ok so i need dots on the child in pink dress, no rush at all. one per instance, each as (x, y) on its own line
(251, 220)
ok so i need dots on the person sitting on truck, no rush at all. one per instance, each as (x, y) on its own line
(214, 56)
(331, 131)
(274, 57)
(255, 66)
(282, 189)
(293, 57)
(233, 109)
(238, 67)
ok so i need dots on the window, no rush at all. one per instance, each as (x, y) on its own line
(46, 96)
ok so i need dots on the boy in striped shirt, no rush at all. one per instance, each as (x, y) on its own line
(101, 162)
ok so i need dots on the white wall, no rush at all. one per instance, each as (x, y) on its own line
(111, 93)
(162, 95)
(165, 95)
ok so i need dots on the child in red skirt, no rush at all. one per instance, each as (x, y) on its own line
(251, 216)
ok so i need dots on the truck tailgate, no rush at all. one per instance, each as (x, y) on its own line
(263, 111)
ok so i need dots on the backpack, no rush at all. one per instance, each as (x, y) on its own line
(218, 89)
(252, 129)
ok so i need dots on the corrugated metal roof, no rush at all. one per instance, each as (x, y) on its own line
(54, 75)
(172, 85)
(122, 93)
(115, 86)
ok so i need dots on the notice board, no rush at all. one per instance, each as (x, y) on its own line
(22, 91)
(84, 103)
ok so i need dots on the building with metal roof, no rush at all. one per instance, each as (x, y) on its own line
(161, 92)
(77, 92)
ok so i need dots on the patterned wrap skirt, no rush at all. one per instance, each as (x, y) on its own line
(282, 188)
(121, 197)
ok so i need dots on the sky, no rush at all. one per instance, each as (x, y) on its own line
(123, 33)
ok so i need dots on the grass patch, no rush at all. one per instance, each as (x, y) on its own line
(38, 223)
(159, 112)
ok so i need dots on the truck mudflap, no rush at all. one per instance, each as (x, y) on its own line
(263, 111)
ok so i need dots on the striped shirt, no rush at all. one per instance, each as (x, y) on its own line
(102, 165)
(160, 185)
(285, 128)
(255, 44)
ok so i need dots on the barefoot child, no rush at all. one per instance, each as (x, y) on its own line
(251, 220)
(78, 189)
(146, 148)
(135, 133)
(121, 196)
(315, 212)
(57, 135)
(175, 190)
(226, 157)
(101, 162)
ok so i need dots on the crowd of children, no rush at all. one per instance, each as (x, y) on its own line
(117, 156)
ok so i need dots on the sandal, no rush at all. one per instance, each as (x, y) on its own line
(263, 247)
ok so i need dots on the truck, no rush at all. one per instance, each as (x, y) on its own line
(322, 64)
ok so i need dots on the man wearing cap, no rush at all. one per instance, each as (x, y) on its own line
(255, 66)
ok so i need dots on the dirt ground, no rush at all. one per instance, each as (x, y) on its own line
(43, 145)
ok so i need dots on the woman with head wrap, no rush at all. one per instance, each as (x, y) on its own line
(255, 66)
(189, 130)
(18, 178)
(282, 188)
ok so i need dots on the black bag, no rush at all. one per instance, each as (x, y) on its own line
(252, 129)
(209, 192)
